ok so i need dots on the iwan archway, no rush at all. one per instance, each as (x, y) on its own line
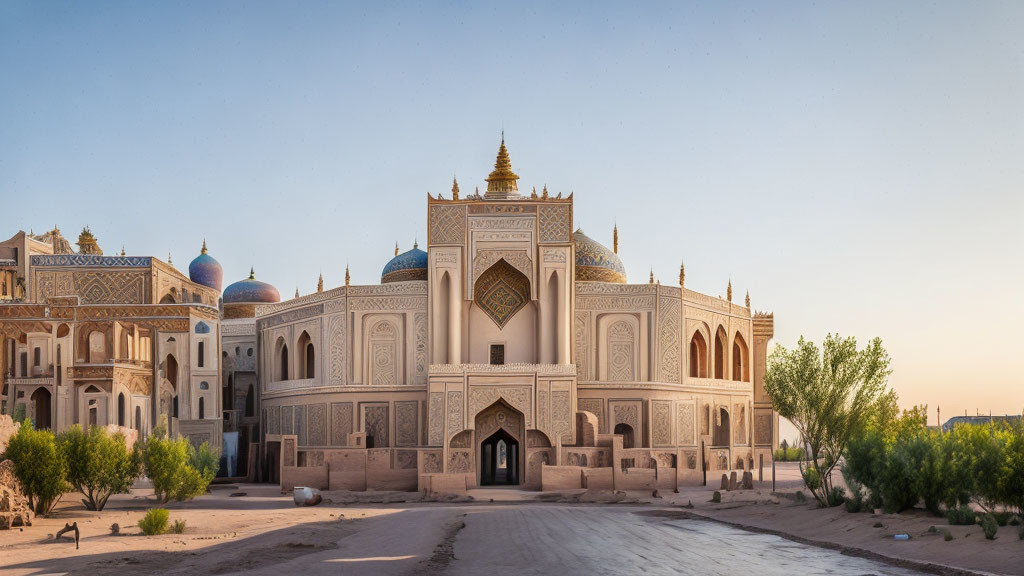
(500, 437)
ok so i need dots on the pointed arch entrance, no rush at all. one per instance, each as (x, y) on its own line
(500, 434)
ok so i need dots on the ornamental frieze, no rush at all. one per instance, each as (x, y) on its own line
(397, 304)
(291, 316)
(526, 223)
(518, 397)
(630, 303)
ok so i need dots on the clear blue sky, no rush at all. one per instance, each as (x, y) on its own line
(856, 166)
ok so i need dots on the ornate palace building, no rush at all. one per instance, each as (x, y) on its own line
(107, 340)
(510, 351)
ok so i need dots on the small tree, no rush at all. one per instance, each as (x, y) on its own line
(828, 395)
(39, 466)
(99, 464)
(1011, 480)
(179, 471)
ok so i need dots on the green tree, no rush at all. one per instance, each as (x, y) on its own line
(40, 467)
(179, 471)
(99, 464)
(829, 395)
(1011, 480)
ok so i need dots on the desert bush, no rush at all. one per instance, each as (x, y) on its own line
(836, 496)
(1002, 518)
(989, 526)
(178, 527)
(790, 454)
(855, 502)
(947, 535)
(716, 497)
(961, 516)
(155, 521)
(99, 464)
(40, 466)
(179, 471)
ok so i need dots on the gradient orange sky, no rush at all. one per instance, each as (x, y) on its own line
(856, 166)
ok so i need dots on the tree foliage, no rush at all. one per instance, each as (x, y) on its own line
(829, 394)
(179, 471)
(99, 464)
(40, 466)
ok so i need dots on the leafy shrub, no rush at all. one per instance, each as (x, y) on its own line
(99, 464)
(155, 521)
(962, 516)
(790, 454)
(855, 502)
(1002, 518)
(39, 465)
(178, 527)
(989, 526)
(716, 497)
(836, 496)
(877, 525)
(947, 535)
(1015, 521)
(179, 471)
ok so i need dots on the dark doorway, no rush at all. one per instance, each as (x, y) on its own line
(273, 463)
(627, 434)
(499, 460)
(41, 398)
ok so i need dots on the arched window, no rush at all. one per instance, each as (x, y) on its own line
(204, 385)
(720, 354)
(202, 328)
(250, 402)
(307, 355)
(36, 357)
(120, 409)
(627, 434)
(202, 408)
(282, 359)
(721, 433)
(237, 351)
(97, 347)
(740, 368)
(698, 356)
(202, 354)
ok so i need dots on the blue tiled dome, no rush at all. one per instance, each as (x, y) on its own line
(595, 262)
(411, 265)
(251, 291)
(206, 270)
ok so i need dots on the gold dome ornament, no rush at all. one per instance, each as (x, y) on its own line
(651, 281)
(320, 283)
(87, 243)
(728, 291)
(748, 299)
(455, 188)
(501, 183)
(347, 277)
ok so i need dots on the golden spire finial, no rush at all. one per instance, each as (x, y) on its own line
(347, 277)
(652, 276)
(296, 290)
(748, 299)
(122, 251)
(455, 188)
(533, 194)
(396, 248)
(203, 251)
(415, 243)
(615, 238)
(682, 274)
(320, 283)
(252, 273)
(501, 182)
(544, 194)
(728, 291)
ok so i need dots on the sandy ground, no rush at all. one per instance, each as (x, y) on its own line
(573, 533)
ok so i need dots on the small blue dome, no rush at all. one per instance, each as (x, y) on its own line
(595, 262)
(251, 291)
(206, 270)
(411, 265)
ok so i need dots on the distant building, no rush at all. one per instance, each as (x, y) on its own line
(956, 420)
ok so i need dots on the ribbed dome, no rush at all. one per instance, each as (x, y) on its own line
(411, 265)
(251, 291)
(206, 270)
(595, 262)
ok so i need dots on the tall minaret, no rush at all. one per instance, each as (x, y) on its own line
(320, 283)
(615, 238)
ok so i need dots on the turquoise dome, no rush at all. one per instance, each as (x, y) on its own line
(411, 265)
(251, 291)
(206, 270)
(595, 262)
